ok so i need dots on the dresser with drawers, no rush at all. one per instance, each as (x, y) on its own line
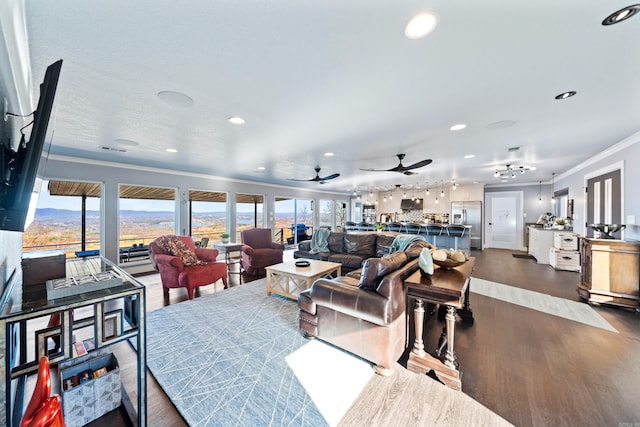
(564, 254)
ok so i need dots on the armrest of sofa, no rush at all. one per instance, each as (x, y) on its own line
(304, 245)
(207, 255)
(275, 245)
(351, 300)
(247, 249)
(169, 260)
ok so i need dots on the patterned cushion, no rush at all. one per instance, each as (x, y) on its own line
(172, 245)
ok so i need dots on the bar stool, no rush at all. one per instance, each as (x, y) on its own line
(456, 231)
(434, 230)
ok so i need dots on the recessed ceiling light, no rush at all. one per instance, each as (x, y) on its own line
(329, 154)
(621, 15)
(459, 126)
(237, 120)
(469, 156)
(177, 99)
(261, 168)
(171, 150)
(566, 95)
(420, 25)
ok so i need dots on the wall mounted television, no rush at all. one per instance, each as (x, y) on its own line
(20, 168)
(411, 204)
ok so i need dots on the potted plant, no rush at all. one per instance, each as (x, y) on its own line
(379, 226)
(224, 237)
(560, 223)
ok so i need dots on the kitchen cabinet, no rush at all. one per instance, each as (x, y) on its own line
(609, 272)
(540, 241)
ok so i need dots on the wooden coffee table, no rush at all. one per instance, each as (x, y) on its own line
(289, 280)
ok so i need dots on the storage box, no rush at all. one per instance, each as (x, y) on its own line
(565, 241)
(60, 288)
(89, 400)
(564, 260)
(38, 267)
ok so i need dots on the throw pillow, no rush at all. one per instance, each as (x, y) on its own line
(172, 245)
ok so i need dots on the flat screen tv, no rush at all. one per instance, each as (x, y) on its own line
(411, 204)
(20, 168)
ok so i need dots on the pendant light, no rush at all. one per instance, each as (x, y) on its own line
(540, 192)
(553, 195)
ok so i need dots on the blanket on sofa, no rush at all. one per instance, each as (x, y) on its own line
(319, 241)
(403, 241)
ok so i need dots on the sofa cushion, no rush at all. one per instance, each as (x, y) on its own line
(321, 256)
(348, 261)
(374, 269)
(335, 241)
(383, 244)
(360, 244)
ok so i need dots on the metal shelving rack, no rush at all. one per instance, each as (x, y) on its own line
(20, 305)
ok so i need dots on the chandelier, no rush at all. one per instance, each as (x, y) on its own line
(510, 171)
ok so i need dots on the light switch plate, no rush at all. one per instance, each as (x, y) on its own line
(631, 219)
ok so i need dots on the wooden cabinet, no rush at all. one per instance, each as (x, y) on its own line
(609, 272)
(540, 240)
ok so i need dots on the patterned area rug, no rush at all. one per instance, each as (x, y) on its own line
(236, 358)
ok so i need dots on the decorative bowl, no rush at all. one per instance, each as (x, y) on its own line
(449, 264)
(303, 263)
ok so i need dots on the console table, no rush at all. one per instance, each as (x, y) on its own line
(116, 314)
(449, 288)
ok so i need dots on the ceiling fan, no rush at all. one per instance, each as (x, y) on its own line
(318, 178)
(402, 168)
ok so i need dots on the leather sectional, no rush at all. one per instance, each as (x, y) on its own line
(348, 249)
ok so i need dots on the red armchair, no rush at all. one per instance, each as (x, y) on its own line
(259, 250)
(43, 410)
(182, 265)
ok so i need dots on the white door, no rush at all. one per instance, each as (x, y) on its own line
(504, 223)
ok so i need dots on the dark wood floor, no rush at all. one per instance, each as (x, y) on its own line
(531, 368)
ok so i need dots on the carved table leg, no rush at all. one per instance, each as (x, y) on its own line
(418, 344)
(442, 342)
(465, 313)
(450, 358)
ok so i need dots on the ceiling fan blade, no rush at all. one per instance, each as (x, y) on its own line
(409, 173)
(419, 164)
(327, 178)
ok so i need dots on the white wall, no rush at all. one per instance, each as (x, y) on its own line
(625, 153)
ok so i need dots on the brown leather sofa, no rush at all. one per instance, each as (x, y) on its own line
(349, 249)
(363, 312)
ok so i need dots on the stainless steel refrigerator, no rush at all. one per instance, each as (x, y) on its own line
(469, 213)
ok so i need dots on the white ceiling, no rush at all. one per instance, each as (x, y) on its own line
(314, 76)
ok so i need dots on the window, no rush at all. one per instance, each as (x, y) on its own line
(326, 213)
(144, 214)
(67, 217)
(208, 214)
(249, 212)
(288, 213)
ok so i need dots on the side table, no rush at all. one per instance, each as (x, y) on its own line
(449, 288)
(232, 255)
